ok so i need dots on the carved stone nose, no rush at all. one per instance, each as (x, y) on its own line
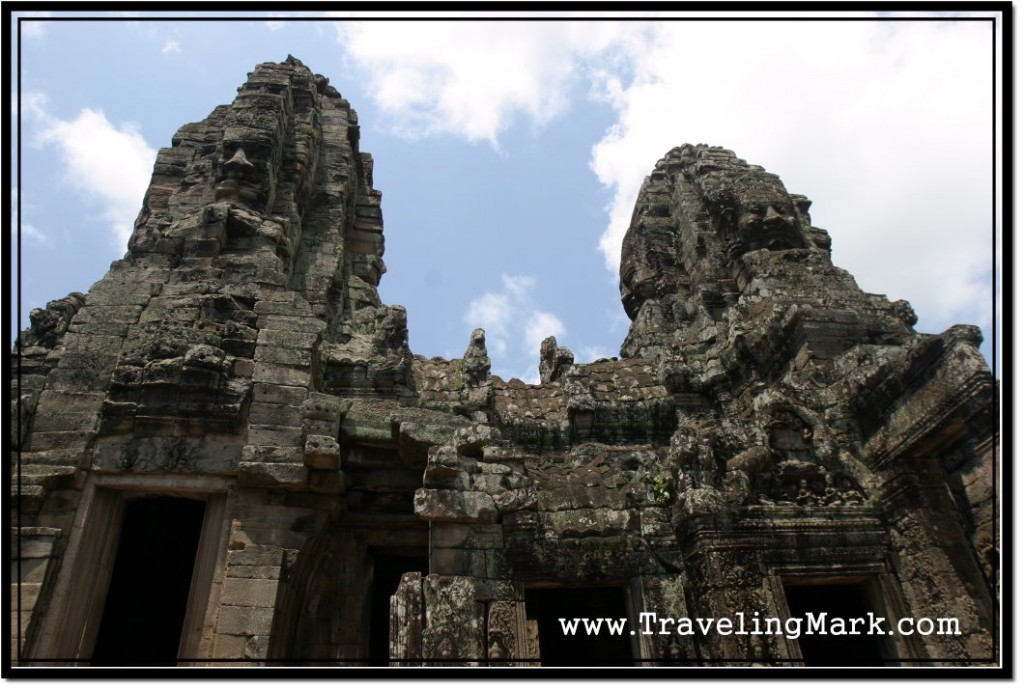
(239, 162)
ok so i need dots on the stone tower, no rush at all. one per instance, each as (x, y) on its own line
(227, 452)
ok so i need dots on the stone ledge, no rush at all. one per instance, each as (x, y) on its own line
(277, 475)
(452, 506)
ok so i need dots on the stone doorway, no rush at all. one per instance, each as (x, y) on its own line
(851, 600)
(546, 606)
(387, 573)
(150, 583)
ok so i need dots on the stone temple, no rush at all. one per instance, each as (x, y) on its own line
(226, 453)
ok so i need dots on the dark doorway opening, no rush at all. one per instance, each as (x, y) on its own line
(149, 585)
(557, 648)
(847, 601)
(387, 574)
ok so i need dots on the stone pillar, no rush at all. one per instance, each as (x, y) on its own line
(247, 602)
(454, 634)
(664, 596)
(731, 582)
(32, 552)
(938, 572)
(263, 543)
(506, 633)
(406, 629)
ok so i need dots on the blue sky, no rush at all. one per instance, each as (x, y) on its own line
(509, 153)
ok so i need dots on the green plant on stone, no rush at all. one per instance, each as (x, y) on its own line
(458, 380)
(662, 490)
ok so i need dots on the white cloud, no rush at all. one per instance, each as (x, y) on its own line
(518, 287)
(530, 375)
(594, 353)
(491, 312)
(885, 125)
(28, 231)
(111, 164)
(513, 312)
(540, 326)
(171, 47)
(274, 22)
(472, 79)
(33, 104)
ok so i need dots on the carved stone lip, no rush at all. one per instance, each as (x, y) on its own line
(773, 234)
(237, 190)
(227, 190)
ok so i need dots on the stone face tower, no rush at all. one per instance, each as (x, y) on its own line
(209, 365)
(227, 453)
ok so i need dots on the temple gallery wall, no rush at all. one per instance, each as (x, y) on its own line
(226, 453)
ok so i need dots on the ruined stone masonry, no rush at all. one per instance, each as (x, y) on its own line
(226, 454)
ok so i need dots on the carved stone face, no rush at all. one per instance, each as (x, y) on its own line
(641, 282)
(770, 225)
(753, 208)
(245, 176)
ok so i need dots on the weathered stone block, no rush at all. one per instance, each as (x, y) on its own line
(262, 555)
(288, 307)
(256, 647)
(496, 565)
(292, 323)
(325, 407)
(322, 452)
(277, 394)
(587, 522)
(60, 441)
(321, 428)
(272, 454)
(454, 506)
(449, 535)
(502, 455)
(229, 647)
(471, 441)
(491, 484)
(245, 621)
(328, 481)
(297, 357)
(25, 595)
(167, 453)
(516, 500)
(33, 570)
(69, 402)
(407, 621)
(262, 413)
(249, 592)
(280, 475)
(250, 571)
(274, 435)
(458, 562)
(284, 375)
(272, 340)
(520, 519)
(455, 619)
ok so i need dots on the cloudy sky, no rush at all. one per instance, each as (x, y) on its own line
(510, 153)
